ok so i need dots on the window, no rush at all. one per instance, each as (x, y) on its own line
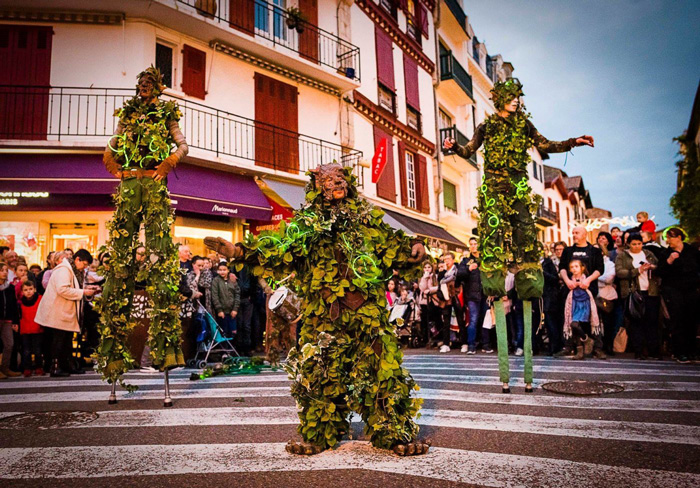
(449, 195)
(164, 62)
(444, 120)
(549, 203)
(386, 98)
(557, 209)
(194, 64)
(271, 13)
(413, 118)
(475, 49)
(390, 7)
(536, 171)
(411, 179)
(410, 71)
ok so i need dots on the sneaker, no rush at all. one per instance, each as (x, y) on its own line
(471, 351)
(487, 350)
(519, 352)
(445, 349)
(465, 348)
(598, 354)
(148, 369)
(39, 372)
(27, 373)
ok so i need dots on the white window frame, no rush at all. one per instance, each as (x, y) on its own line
(448, 209)
(411, 194)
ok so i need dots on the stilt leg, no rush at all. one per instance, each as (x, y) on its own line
(502, 338)
(527, 320)
(167, 402)
(113, 394)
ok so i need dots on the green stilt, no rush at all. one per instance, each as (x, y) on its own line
(527, 320)
(502, 338)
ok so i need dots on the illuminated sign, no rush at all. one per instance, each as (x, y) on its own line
(595, 224)
(12, 197)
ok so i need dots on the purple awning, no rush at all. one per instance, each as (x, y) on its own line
(192, 188)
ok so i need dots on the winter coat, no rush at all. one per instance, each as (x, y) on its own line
(428, 289)
(552, 286)
(470, 281)
(62, 303)
(629, 275)
(684, 274)
(27, 322)
(225, 295)
(8, 304)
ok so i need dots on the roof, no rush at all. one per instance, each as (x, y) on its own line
(551, 173)
(573, 182)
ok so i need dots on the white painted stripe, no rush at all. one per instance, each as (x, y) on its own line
(8, 414)
(595, 429)
(459, 466)
(611, 403)
(546, 360)
(550, 369)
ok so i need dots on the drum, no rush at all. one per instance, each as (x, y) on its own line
(285, 304)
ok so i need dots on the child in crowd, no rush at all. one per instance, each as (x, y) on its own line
(391, 293)
(580, 313)
(21, 276)
(646, 224)
(226, 298)
(30, 332)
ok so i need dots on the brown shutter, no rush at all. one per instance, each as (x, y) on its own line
(386, 187)
(276, 124)
(308, 39)
(402, 174)
(242, 15)
(410, 72)
(385, 58)
(422, 19)
(194, 67)
(422, 189)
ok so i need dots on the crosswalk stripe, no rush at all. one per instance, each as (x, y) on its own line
(460, 466)
(626, 404)
(632, 363)
(283, 415)
(550, 369)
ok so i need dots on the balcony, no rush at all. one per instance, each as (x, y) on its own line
(457, 81)
(461, 139)
(546, 216)
(40, 116)
(457, 12)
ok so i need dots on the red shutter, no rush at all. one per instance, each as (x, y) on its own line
(402, 174)
(194, 66)
(422, 19)
(308, 39)
(402, 4)
(242, 15)
(422, 187)
(385, 58)
(410, 73)
(276, 124)
(386, 187)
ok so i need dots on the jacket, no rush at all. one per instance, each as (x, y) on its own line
(629, 275)
(225, 295)
(8, 305)
(470, 281)
(27, 322)
(428, 289)
(62, 303)
(684, 274)
(606, 289)
(552, 286)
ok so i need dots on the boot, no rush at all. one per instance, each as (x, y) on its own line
(579, 353)
(39, 372)
(2, 376)
(9, 373)
(587, 345)
(598, 354)
(27, 373)
(57, 372)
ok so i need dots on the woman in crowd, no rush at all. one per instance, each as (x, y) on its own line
(391, 293)
(429, 302)
(9, 320)
(607, 294)
(679, 270)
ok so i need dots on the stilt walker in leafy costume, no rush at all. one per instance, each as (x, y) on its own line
(140, 155)
(340, 253)
(508, 236)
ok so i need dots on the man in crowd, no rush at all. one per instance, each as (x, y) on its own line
(552, 298)
(11, 258)
(185, 256)
(469, 276)
(450, 280)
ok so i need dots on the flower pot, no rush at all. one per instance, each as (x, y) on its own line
(291, 22)
(300, 28)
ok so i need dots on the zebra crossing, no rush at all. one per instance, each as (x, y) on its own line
(227, 429)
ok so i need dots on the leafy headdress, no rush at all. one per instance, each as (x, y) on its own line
(153, 75)
(505, 91)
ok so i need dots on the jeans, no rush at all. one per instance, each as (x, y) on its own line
(477, 311)
(645, 331)
(245, 318)
(683, 311)
(518, 323)
(31, 346)
(228, 325)
(61, 347)
(7, 343)
(553, 325)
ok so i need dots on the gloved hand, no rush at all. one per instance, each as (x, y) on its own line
(111, 164)
(164, 167)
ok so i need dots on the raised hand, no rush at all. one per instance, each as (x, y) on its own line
(448, 143)
(585, 141)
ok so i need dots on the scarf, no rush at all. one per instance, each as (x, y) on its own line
(29, 302)
(79, 275)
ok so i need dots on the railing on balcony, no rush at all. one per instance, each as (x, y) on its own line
(263, 20)
(546, 214)
(457, 11)
(454, 133)
(450, 69)
(57, 113)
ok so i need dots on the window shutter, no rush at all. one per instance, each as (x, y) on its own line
(422, 19)
(385, 58)
(386, 187)
(402, 4)
(402, 174)
(423, 192)
(410, 72)
(193, 71)
(242, 15)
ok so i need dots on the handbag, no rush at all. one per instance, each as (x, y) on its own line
(620, 342)
(635, 305)
(604, 304)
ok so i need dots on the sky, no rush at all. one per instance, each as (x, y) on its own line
(624, 71)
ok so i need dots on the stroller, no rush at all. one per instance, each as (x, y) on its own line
(211, 340)
(408, 329)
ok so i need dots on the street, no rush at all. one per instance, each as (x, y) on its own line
(232, 430)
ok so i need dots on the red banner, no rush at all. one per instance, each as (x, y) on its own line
(379, 160)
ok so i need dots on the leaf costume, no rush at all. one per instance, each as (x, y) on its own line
(507, 208)
(140, 150)
(342, 253)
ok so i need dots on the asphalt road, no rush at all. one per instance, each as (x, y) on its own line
(231, 431)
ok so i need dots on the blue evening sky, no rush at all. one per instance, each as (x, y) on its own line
(623, 71)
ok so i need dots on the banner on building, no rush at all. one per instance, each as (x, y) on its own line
(379, 159)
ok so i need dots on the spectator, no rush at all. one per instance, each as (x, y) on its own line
(448, 282)
(651, 245)
(390, 293)
(35, 269)
(605, 241)
(634, 269)
(580, 315)
(69, 252)
(9, 320)
(199, 281)
(58, 258)
(476, 301)
(11, 258)
(247, 284)
(185, 256)
(21, 276)
(615, 232)
(607, 301)
(429, 302)
(40, 277)
(646, 225)
(226, 298)
(61, 308)
(30, 332)
(679, 270)
(551, 298)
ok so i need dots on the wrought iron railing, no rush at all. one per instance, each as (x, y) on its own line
(547, 214)
(454, 133)
(451, 69)
(57, 113)
(263, 20)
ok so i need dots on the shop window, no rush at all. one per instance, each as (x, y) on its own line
(413, 118)
(387, 99)
(164, 62)
(449, 195)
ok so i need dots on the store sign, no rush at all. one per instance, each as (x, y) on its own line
(279, 213)
(12, 198)
(224, 210)
(379, 159)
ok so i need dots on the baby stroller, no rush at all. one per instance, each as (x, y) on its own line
(408, 329)
(211, 340)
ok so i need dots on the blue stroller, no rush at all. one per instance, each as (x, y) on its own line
(211, 340)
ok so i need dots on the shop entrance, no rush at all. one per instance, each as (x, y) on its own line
(74, 236)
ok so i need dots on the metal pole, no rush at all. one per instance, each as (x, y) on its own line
(167, 402)
(113, 395)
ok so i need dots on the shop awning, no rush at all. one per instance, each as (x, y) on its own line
(436, 235)
(293, 195)
(192, 188)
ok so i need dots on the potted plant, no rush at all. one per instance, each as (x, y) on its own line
(295, 19)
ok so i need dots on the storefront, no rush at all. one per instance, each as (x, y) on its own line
(54, 201)
(438, 239)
